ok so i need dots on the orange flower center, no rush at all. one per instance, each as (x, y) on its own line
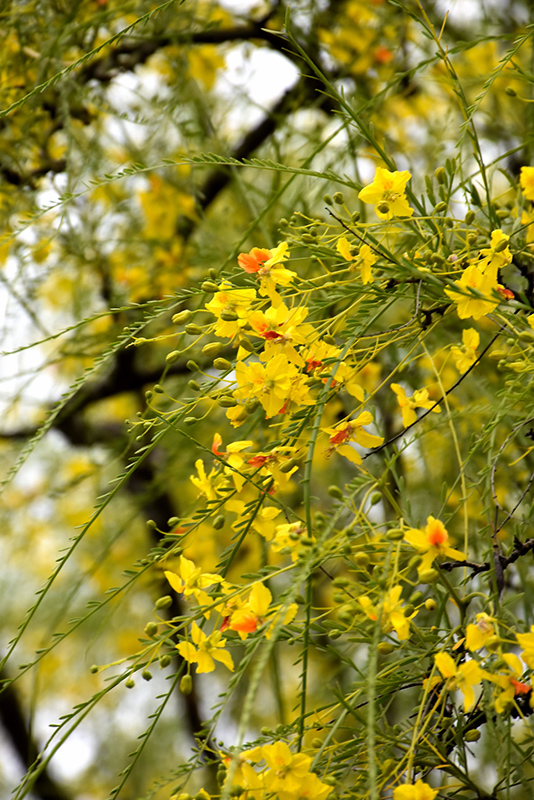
(437, 534)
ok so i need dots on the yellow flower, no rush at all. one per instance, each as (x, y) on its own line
(310, 788)
(462, 677)
(526, 180)
(526, 643)
(253, 613)
(509, 683)
(494, 257)
(231, 301)
(282, 328)
(431, 542)
(392, 617)
(191, 581)
(270, 384)
(364, 260)
(414, 791)
(351, 431)
(286, 769)
(387, 189)
(527, 219)
(419, 399)
(477, 634)
(465, 356)
(268, 265)
(471, 304)
(208, 648)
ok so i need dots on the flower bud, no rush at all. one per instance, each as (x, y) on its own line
(428, 576)
(441, 175)
(338, 198)
(192, 365)
(385, 648)
(163, 602)
(383, 207)
(212, 349)
(209, 286)
(186, 684)
(182, 317)
(192, 329)
(222, 364)
(172, 357)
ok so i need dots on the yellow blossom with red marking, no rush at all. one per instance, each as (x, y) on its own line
(344, 433)
(432, 542)
(208, 649)
(474, 295)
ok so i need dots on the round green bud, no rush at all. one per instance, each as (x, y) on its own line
(186, 684)
(328, 199)
(222, 364)
(329, 339)
(212, 272)
(408, 610)
(246, 344)
(209, 287)
(190, 420)
(430, 604)
(428, 576)
(164, 660)
(335, 492)
(151, 524)
(376, 497)
(416, 598)
(236, 790)
(146, 675)
(227, 402)
(182, 317)
(218, 522)
(163, 602)
(149, 395)
(283, 222)
(172, 358)
(472, 736)
(502, 245)
(151, 628)
(316, 742)
(469, 217)
(510, 91)
(362, 559)
(288, 465)
(192, 329)
(385, 648)
(356, 216)
(158, 388)
(130, 683)
(212, 349)
(194, 385)
(472, 239)
(441, 175)
(229, 316)
(251, 405)
(93, 669)
(265, 731)
(394, 535)
(383, 207)
(335, 633)
(338, 198)
(440, 207)
(502, 213)
(192, 365)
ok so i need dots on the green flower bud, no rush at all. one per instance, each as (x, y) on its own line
(171, 358)
(151, 628)
(186, 684)
(212, 349)
(222, 364)
(338, 198)
(182, 317)
(441, 175)
(163, 602)
(192, 329)
(209, 286)
(192, 365)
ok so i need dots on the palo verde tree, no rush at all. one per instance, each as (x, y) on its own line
(267, 434)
